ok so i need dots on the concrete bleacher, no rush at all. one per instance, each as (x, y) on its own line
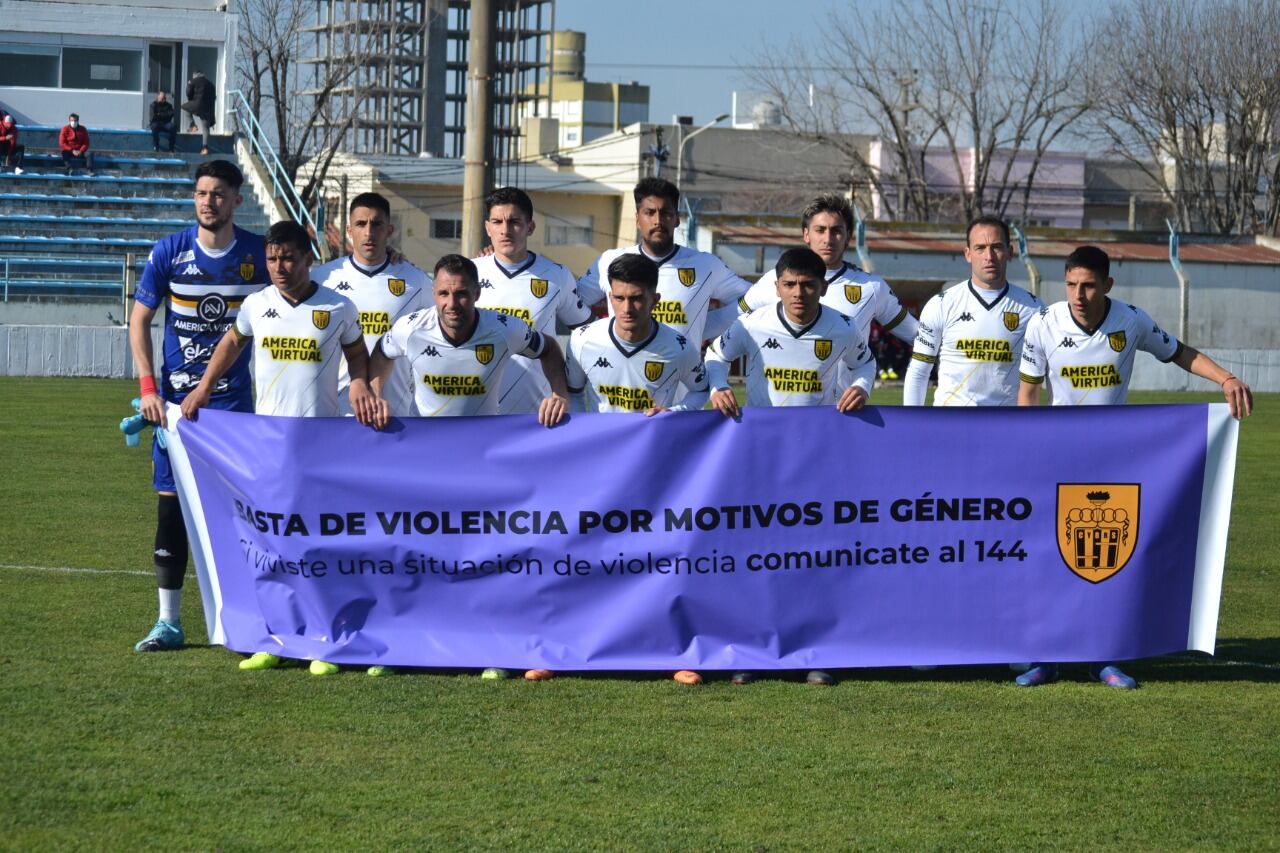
(73, 236)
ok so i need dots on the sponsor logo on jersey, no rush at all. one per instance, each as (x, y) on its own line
(1083, 376)
(186, 257)
(396, 286)
(653, 370)
(1097, 527)
(320, 318)
(671, 312)
(687, 275)
(374, 322)
(853, 292)
(484, 353)
(271, 314)
(1011, 319)
(603, 362)
(523, 313)
(966, 317)
(985, 349)
(1117, 341)
(794, 380)
(212, 308)
(682, 341)
(822, 348)
(538, 287)
(485, 283)
(247, 269)
(191, 269)
(772, 343)
(431, 351)
(1068, 343)
(342, 285)
(626, 398)
(454, 386)
(287, 348)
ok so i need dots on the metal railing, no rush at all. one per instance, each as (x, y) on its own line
(281, 184)
(127, 266)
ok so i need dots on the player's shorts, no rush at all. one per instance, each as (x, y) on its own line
(161, 470)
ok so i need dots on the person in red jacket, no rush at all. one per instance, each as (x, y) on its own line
(9, 147)
(73, 139)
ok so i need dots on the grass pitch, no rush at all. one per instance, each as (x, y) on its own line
(101, 748)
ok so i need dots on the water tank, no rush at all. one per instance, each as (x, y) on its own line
(767, 114)
(568, 54)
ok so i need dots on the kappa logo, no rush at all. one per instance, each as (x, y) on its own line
(396, 286)
(603, 362)
(484, 282)
(1097, 527)
(682, 341)
(538, 287)
(431, 351)
(502, 318)
(320, 319)
(966, 317)
(772, 343)
(822, 348)
(1067, 343)
(687, 275)
(853, 292)
(1011, 320)
(653, 370)
(1117, 341)
(190, 269)
(271, 313)
(342, 285)
(484, 352)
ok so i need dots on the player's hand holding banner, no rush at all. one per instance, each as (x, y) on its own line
(792, 538)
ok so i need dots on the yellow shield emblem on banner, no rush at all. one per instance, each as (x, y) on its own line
(853, 292)
(538, 286)
(1097, 527)
(1011, 320)
(484, 353)
(822, 348)
(1117, 341)
(247, 269)
(688, 275)
(320, 319)
(396, 286)
(653, 370)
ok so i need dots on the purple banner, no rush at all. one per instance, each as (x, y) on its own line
(795, 538)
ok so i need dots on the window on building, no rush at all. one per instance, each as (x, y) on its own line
(568, 230)
(446, 228)
(571, 136)
(99, 68)
(29, 65)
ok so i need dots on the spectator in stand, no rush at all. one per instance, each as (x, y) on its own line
(163, 121)
(74, 142)
(9, 146)
(201, 97)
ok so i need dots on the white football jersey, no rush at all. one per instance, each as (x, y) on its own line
(539, 292)
(381, 295)
(1091, 369)
(975, 338)
(687, 282)
(464, 378)
(859, 295)
(786, 365)
(297, 350)
(613, 375)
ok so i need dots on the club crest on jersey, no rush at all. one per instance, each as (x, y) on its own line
(1097, 527)
(653, 370)
(688, 275)
(396, 286)
(853, 292)
(822, 348)
(1011, 319)
(1117, 341)
(247, 268)
(538, 287)
(484, 353)
(320, 319)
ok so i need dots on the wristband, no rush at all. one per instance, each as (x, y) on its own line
(1224, 382)
(147, 384)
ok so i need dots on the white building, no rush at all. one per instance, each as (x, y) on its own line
(105, 59)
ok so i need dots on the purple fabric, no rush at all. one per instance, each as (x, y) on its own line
(915, 611)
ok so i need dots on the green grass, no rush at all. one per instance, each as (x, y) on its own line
(104, 749)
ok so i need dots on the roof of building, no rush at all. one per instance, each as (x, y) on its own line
(534, 176)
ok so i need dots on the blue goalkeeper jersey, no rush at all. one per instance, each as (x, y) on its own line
(202, 293)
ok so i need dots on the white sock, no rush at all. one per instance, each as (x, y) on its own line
(171, 605)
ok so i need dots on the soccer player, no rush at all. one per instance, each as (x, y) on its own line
(1085, 348)
(383, 288)
(973, 330)
(793, 348)
(688, 280)
(519, 283)
(826, 227)
(630, 362)
(202, 274)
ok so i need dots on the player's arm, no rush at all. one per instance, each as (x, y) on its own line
(1238, 395)
(720, 355)
(589, 287)
(571, 308)
(552, 409)
(894, 317)
(151, 405)
(924, 353)
(368, 408)
(224, 355)
(693, 377)
(575, 375)
(1033, 363)
(863, 364)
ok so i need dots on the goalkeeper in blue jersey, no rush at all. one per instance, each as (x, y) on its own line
(201, 275)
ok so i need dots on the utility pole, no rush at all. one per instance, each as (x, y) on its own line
(1184, 283)
(477, 161)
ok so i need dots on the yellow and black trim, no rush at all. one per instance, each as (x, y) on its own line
(1031, 380)
(927, 359)
(896, 320)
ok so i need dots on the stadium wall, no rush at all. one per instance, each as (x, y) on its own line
(69, 351)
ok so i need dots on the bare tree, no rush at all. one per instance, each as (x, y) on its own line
(1190, 94)
(965, 96)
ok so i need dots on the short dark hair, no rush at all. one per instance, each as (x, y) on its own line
(222, 170)
(509, 195)
(660, 187)
(75, 116)
(373, 201)
(634, 268)
(459, 265)
(988, 219)
(1090, 258)
(830, 203)
(286, 232)
(802, 259)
